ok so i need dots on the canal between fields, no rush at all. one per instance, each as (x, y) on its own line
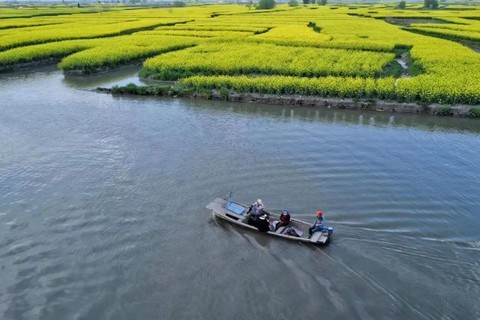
(102, 208)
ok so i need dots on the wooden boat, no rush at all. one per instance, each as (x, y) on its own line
(236, 213)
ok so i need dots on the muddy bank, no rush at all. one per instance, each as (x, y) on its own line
(299, 100)
(348, 104)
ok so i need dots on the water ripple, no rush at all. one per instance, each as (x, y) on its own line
(102, 213)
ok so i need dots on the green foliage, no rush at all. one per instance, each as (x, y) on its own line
(402, 4)
(399, 51)
(314, 26)
(322, 2)
(305, 2)
(152, 90)
(266, 4)
(393, 69)
(473, 112)
(132, 88)
(179, 4)
(444, 111)
(430, 4)
(224, 93)
(293, 3)
(206, 93)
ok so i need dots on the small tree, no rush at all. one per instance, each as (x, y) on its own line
(402, 4)
(266, 4)
(179, 4)
(322, 2)
(293, 3)
(431, 4)
(306, 1)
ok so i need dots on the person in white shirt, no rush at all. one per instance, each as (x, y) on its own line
(255, 210)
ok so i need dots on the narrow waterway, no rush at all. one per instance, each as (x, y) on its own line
(102, 208)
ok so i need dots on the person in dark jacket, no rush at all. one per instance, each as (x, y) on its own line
(262, 223)
(284, 220)
(318, 225)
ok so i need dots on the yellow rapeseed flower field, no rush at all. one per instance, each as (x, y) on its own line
(357, 51)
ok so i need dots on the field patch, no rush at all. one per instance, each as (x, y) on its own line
(232, 58)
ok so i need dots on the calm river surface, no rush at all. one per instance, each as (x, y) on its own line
(102, 208)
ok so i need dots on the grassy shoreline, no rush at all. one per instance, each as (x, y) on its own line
(179, 90)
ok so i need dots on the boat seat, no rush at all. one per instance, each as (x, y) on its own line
(280, 230)
(235, 208)
(316, 236)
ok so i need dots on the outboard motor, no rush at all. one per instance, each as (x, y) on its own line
(330, 231)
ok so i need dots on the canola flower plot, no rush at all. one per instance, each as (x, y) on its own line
(21, 23)
(234, 58)
(332, 51)
(343, 87)
(12, 38)
(448, 33)
(48, 51)
(26, 11)
(196, 27)
(198, 34)
(294, 32)
(106, 55)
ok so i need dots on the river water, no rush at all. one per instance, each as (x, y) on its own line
(102, 208)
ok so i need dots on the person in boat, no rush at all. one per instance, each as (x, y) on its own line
(284, 220)
(255, 210)
(262, 223)
(319, 224)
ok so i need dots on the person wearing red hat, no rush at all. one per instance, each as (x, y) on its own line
(318, 225)
(284, 220)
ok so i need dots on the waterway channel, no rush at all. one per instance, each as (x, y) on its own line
(102, 208)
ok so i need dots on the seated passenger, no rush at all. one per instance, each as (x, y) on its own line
(257, 207)
(255, 210)
(318, 225)
(290, 231)
(262, 223)
(284, 220)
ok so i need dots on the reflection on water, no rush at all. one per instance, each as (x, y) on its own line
(119, 77)
(102, 208)
(130, 75)
(345, 117)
